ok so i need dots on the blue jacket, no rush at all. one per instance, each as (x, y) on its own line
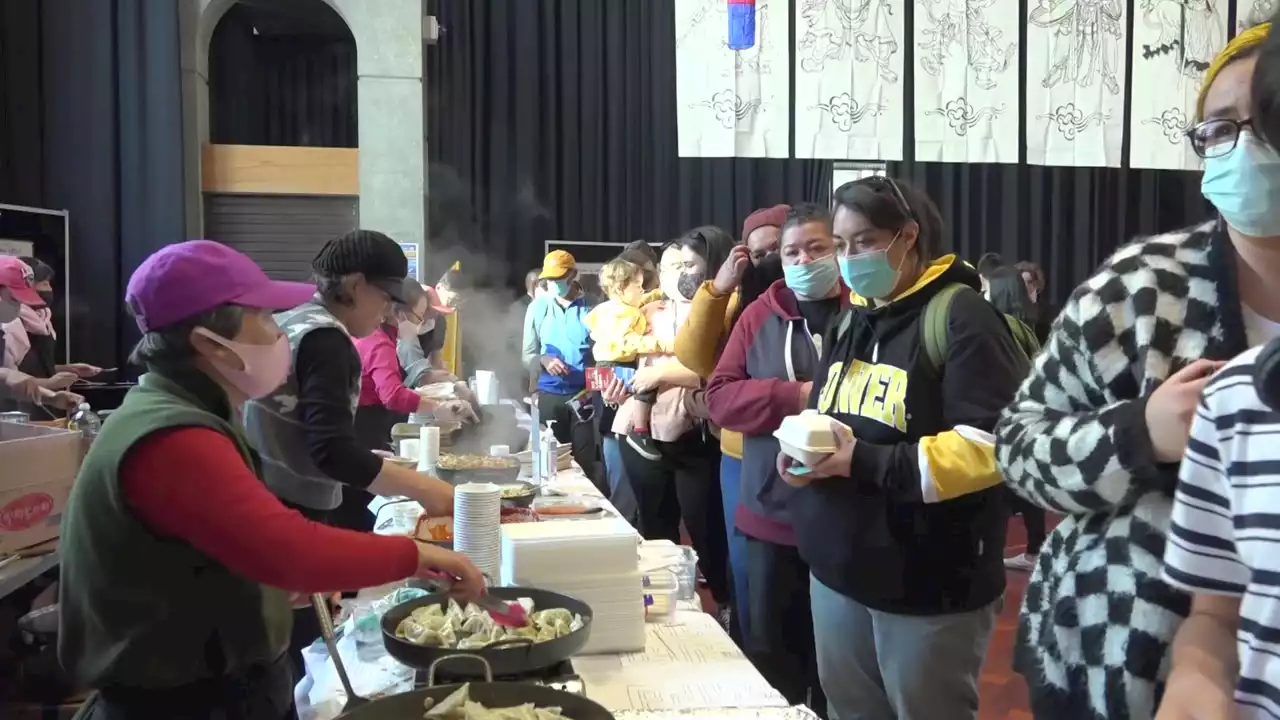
(560, 331)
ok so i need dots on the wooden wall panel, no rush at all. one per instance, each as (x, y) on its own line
(273, 170)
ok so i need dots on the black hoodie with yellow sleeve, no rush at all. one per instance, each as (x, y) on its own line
(918, 526)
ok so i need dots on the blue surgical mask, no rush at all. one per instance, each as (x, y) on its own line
(1244, 186)
(813, 280)
(869, 274)
(559, 288)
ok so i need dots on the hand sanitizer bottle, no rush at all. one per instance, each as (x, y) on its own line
(548, 454)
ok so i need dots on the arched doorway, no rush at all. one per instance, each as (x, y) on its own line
(282, 76)
(283, 72)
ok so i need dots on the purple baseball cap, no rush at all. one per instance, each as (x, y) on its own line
(188, 278)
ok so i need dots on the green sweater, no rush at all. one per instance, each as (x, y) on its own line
(144, 611)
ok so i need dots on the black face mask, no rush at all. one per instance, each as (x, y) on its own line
(689, 283)
(758, 278)
(47, 296)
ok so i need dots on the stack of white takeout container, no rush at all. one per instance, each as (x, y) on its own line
(594, 561)
(477, 518)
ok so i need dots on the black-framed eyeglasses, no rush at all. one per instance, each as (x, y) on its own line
(1217, 137)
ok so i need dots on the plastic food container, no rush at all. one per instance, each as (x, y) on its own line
(808, 437)
(660, 598)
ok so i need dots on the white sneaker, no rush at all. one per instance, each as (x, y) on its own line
(1021, 561)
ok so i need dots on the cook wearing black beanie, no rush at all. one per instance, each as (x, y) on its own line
(305, 430)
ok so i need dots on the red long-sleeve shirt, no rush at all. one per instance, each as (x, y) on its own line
(381, 382)
(223, 510)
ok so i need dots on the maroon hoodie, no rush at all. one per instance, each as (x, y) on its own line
(769, 355)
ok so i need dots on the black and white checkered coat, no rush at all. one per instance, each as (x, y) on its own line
(1097, 620)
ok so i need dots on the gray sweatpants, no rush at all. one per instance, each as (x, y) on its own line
(880, 666)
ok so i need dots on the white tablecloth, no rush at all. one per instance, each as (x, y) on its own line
(688, 663)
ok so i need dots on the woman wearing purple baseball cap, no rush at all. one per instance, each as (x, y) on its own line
(177, 561)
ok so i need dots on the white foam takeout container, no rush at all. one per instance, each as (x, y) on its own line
(808, 437)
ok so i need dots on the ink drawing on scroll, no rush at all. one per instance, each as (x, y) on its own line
(1075, 82)
(732, 103)
(1253, 12)
(1173, 43)
(848, 101)
(966, 80)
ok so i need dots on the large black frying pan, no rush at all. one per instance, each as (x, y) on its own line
(507, 657)
(409, 706)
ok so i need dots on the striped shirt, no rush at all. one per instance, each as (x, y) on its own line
(1224, 536)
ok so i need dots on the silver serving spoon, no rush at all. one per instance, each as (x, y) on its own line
(321, 607)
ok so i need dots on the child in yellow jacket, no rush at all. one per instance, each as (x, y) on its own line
(620, 335)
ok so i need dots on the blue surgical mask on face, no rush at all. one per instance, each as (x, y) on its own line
(869, 274)
(559, 288)
(1244, 186)
(813, 280)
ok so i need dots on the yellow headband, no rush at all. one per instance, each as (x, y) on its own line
(1244, 41)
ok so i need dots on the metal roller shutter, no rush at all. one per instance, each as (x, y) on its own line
(282, 233)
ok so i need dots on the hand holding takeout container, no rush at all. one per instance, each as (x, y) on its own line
(809, 437)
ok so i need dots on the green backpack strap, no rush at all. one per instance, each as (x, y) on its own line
(1023, 336)
(934, 327)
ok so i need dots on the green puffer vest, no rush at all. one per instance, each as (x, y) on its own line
(144, 611)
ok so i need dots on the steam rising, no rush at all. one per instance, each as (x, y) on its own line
(493, 252)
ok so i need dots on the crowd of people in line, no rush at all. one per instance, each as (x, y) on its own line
(865, 585)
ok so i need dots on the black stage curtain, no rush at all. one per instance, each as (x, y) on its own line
(297, 90)
(112, 145)
(1066, 219)
(556, 119)
(21, 170)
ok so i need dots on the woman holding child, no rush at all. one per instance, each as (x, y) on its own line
(682, 483)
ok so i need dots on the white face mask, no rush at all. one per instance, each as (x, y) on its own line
(427, 326)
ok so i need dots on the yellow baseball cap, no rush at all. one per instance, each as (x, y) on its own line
(556, 265)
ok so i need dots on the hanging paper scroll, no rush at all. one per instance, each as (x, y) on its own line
(742, 24)
(967, 81)
(1173, 44)
(849, 95)
(1075, 78)
(733, 102)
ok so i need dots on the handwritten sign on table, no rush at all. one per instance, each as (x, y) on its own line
(687, 664)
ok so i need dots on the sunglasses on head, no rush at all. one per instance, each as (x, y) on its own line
(880, 184)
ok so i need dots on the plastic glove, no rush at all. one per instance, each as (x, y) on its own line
(455, 410)
(463, 391)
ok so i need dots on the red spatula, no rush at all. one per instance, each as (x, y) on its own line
(503, 613)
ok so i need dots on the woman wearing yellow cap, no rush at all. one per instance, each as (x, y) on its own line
(1098, 429)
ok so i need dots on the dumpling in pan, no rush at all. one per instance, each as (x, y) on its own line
(453, 622)
(451, 704)
(418, 635)
(409, 627)
(430, 621)
(435, 610)
(549, 713)
(455, 611)
(477, 624)
(497, 633)
(577, 623)
(448, 638)
(475, 642)
(472, 610)
(528, 631)
(548, 617)
(545, 633)
(519, 712)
